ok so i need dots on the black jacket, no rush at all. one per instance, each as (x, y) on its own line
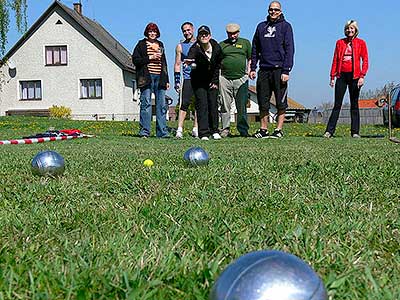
(206, 71)
(141, 60)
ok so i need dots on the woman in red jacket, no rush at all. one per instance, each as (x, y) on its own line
(349, 72)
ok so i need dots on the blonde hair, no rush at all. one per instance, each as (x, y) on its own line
(351, 23)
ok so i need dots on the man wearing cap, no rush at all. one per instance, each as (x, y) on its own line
(234, 81)
(205, 60)
(273, 49)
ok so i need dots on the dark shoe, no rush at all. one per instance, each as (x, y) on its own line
(277, 134)
(261, 134)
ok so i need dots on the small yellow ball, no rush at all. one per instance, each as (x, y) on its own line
(148, 163)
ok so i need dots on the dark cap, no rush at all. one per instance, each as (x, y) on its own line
(204, 28)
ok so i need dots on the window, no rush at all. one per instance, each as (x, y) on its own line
(31, 90)
(91, 89)
(56, 55)
(396, 94)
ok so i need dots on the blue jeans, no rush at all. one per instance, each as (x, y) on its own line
(146, 111)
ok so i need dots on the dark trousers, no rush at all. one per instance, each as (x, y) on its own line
(207, 110)
(345, 80)
(269, 81)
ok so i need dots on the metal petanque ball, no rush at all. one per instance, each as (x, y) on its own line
(196, 156)
(269, 275)
(48, 163)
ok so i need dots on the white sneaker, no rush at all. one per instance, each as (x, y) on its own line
(204, 138)
(216, 136)
(179, 134)
(195, 132)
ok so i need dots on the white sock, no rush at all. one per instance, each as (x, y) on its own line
(180, 129)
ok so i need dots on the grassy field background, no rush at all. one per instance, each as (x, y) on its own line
(111, 228)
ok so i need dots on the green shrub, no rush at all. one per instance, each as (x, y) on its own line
(60, 112)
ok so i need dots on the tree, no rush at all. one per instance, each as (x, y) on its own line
(378, 92)
(19, 9)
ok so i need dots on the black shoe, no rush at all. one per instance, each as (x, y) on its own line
(261, 134)
(277, 134)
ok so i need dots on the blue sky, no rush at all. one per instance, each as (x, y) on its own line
(317, 24)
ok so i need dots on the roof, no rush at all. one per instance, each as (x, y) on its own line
(108, 44)
(367, 103)
(291, 103)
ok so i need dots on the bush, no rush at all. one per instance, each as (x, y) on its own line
(60, 112)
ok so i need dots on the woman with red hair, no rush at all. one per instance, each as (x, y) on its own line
(151, 77)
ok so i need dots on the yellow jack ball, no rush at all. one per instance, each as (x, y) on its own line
(148, 163)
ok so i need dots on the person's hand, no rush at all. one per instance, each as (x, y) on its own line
(213, 86)
(332, 82)
(284, 78)
(252, 74)
(360, 82)
(155, 56)
(168, 86)
(177, 88)
(188, 61)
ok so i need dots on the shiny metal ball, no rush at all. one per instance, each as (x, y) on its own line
(48, 163)
(269, 275)
(196, 156)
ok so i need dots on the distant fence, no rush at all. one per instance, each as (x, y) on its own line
(373, 116)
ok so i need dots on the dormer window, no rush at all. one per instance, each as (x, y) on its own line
(56, 55)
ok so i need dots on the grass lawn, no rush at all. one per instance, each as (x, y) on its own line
(111, 228)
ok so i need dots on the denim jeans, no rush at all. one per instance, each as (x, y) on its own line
(146, 111)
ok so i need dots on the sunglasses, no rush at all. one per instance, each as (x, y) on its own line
(274, 9)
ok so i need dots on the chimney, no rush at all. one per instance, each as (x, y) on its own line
(78, 7)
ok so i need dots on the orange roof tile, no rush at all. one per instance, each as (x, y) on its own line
(367, 103)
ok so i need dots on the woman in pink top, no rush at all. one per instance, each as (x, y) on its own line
(349, 72)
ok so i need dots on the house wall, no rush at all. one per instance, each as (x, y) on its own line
(61, 84)
(253, 111)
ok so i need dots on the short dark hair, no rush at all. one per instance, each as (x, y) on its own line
(151, 27)
(277, 2)
(186, 23)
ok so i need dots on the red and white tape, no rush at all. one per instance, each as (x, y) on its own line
(44, 139)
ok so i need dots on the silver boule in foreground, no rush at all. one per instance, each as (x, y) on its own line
(269, 275)
(48, 163)
(196, 156)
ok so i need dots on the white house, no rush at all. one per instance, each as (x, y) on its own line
(67, 59)
(295, 112)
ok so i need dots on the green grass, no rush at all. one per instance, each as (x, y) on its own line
(111, 228)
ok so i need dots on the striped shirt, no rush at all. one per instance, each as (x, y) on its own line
(155, 65)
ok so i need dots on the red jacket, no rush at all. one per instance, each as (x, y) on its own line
(359, 52)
